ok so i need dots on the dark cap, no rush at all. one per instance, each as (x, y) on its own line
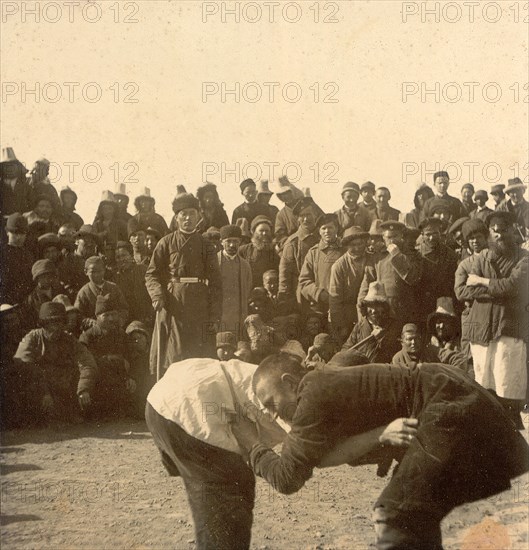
(351, 186)
(246, 183)
(305, 202)
(17, 223)
(259, 220)
(507, 217)
(392, 225)
(352, 233)
(440, 174)
(49, 239)
(42, 267)
(433, 223)
(226, 340)
(481, 193)
(368, 185)
(473, 226)
(52, 311)
(230, 232)
(324, 219)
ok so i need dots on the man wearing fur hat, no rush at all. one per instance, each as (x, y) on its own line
(352, 213)
(260, 252)
(15, 193)
(109, 228)
(251, 207)
(122, 200)
(65, 372)
(517, 204)
(263, 196)
(184, 283)
(295, 249)
(236, 275)
(67, 212)
(498, 324)
(146, 216)
(40, 185)
(441, 181)
(211, 209)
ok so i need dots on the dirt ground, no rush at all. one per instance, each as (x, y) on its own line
(102, 486)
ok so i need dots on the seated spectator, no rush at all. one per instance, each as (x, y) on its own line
(352, 213)
(481, 211)
(73, 317)
(383, 210)
(67, 210)
(226, 345)
(443, 325)
(130, 279)
(376, 335)
(97, 286)
(16, 261)
(250, 208)
(315, 276)
(110, 346)
(42, 215)
(64, 371)
(47, 286)
(260, 252)
(259, 304)
(376, 248)
(264, 340)
(322, 350)
(139, 347)
(414, 351)
(295, 350)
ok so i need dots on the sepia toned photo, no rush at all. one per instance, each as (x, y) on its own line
(264, 275)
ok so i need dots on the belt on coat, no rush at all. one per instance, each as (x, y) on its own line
(189, 280)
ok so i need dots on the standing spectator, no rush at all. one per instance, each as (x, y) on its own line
(250, 208)
(183, 281)
(47, 286)
(517, 204)
(40, 185)
(109, 228)
(497, 194)
(315, 276)
(236, 276)
(467, 192)
(367, 190)
(107, 341)
(454, 238)
(351, 213)
(481, 211)
(498, 319)
(347, 274)
(211, 208)
(400, 270)
(260, 251)
(475, 234)
(286, 222)
(130, 278)
(137, 238)
(263, 196)
(15, 195)
(439, 265)
(414, 217)
(65, 372)
(146, 215)
(97, 286)
(441, 182)
(383, 210)
(67, 212)
(376, 335)
(16, 261)
(42, 216)
(122, 200)
(295, 249)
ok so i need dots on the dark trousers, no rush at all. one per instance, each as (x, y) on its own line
(220, 486)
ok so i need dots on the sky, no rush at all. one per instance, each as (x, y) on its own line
(328, 92)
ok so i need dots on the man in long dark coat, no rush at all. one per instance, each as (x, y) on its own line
(184, 283)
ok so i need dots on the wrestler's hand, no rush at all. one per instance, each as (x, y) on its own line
(245, 431)
(400, 432)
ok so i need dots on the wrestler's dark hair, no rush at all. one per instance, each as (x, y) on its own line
(276, 365)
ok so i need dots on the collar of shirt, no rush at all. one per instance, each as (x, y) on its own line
(323, 246)
(230, 258)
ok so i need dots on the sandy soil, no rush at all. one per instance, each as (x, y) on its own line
(95, 487)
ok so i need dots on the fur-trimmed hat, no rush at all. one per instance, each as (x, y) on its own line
(230, 232)
(52, 311)
(42, 267)
(259, 220)
(352, 233)
(473, 226)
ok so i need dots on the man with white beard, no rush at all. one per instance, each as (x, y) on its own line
(498, 318)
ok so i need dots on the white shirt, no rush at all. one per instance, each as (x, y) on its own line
(196, 395)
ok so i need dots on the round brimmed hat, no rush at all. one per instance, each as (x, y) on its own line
(323, 339)
(65, 301)
(305, 202)
(259, 220)
(350, 186)
(497, 189)
(226, 340)
(515, 184)
(368, 186)
(473, 226)
(138, 326)
(282, 186)
(457, 225)
(352, 233)
(17, 223)
(52, 311)
(392, 225)
(246, 183)
(376, 293)
(49, 239)
(230, 232)
(506, 216)
(325, 219)
(445, 310)
(42, 267)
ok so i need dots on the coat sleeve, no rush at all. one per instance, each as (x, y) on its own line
(513, 285)
(87, 368)
(280, 229)
(123, 306)
(409, 269)
(153, 276)
(336, 294)
(287, 271)
(82, 303)
(462, 291)
(307, 278)
(214, 282)
(29, 351)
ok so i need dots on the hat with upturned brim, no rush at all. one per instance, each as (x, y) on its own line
(352, 233)
(515, 184)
